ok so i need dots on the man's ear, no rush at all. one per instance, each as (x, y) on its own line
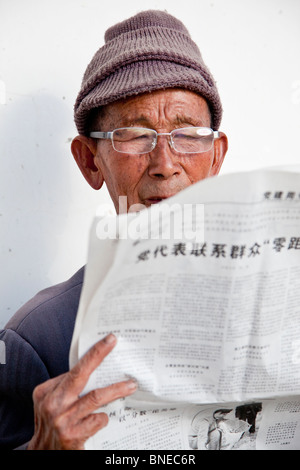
(84, 150)
(220, 149)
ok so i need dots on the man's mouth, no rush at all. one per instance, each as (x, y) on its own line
(154, 200)
(155, 196)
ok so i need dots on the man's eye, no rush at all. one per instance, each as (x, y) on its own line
(141, 136)
(186, 137)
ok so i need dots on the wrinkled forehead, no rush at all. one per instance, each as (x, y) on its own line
(174, 106)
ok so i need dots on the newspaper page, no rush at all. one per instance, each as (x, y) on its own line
(251, 425)
(203, 295)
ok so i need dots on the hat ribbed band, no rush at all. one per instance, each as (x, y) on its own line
(145, 59)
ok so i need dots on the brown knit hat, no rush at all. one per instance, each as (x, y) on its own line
(150, 51)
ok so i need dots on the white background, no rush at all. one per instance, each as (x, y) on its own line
(252, 48)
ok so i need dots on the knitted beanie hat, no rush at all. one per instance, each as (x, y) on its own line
(149, 51)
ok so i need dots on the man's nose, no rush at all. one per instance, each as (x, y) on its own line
(163, 161)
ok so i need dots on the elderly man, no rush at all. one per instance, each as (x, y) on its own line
(147, 116)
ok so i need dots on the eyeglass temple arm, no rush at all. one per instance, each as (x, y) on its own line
(101, 135)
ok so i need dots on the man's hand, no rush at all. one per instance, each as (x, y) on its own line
(63, 420)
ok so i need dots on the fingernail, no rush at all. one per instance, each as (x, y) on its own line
(132, 384)
(109, 339)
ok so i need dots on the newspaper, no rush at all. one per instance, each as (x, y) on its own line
(203, 293)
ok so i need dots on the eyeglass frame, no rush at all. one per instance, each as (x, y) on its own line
(109, 135)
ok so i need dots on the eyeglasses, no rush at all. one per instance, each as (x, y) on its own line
(139, 140)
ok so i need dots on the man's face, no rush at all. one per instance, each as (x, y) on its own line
(149, 178)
